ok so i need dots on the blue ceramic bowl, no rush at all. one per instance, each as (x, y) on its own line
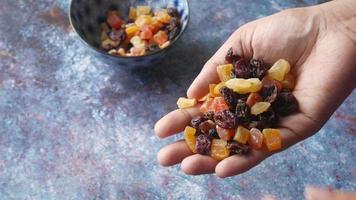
(86, 16)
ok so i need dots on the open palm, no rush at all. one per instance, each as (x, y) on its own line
(322, 60)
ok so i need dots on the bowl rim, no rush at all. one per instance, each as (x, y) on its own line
(127, 57)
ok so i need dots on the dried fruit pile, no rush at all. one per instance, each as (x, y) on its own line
(145, 32)
(242, 111)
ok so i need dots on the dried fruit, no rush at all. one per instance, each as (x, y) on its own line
(225, 134)
(190, 139)
(244, 86)
(131, 31)
(225, 119)
(258, 68)
(288, 82)
(163, 16)
(218, 87)
(269, 93)
(213, 134)
(196, 121)
(118, 35)
(242, 135)
(160, 37)
(260, 107)
(279, 70)
(285, 103)
(224, 71)
(211, 90)
(114, 20)
(219, 150)
(256, 138)
(203, 144)
(207, 105)
(270, 81)
(185, 103)
(242, 69)
(205, 126)
(209, 115)
(272, 138)
(242, 113)
(231, 57)
(237, 148)
(230, 97)
(143, 10)
(253, 98)
(173, 12)
(132, 13)
(219, 104)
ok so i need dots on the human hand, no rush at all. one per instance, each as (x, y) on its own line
(322, 53)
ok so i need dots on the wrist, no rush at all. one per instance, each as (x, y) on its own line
(340, 17)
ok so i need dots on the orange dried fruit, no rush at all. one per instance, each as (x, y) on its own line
(256, 138)
(207, 105)
(186, 103)
(224, 71)
(260, 107)
(211, 90)
(190, 138)
(253, 98)
(272, 138)
(225, 134)
(217, 88)
(219, 104)
(242, 135)
(219, 151)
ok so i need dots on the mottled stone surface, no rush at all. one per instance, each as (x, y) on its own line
(74, 127)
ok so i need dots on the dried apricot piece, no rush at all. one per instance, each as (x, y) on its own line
(256, 138)
(225, 134)
(272, 138)
(253, 98)
(219, 150)
(190, 138)
(279, 70)
(260, 107)
(186, 103)
(207, 105)
(224, 71)
(219, 104)
(211, 90)
(242, 135)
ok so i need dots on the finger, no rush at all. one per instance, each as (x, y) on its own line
(175, 121)
(173, 153)
(238, 164)
(198, 164)
(208, 75)
(314, 193)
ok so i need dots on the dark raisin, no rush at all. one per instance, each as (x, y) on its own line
(202, 145)
(117, 35)
(172, 34)
(173, 12)
(230, 97)
(209, 115)
(231, 57)
(153, 47)
(242, 113)
(225, 119)
(196, 121)
(269, 93)
(285, 103)
(242, 69)
(258, 68)
(237, 148)
(213, 134)
(267, 119)
(205, 126)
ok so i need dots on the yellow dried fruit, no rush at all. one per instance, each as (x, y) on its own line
(217, 89)
(131, 30)
(204, 98)
(143, 20)
(272, 138)
(224, 72)
(241, 135)
(143, 10)
(186, 103)
(219, 151)
(132, 13)
(260, 107)
(244, 86)
(211, 90)
(190, 138)
(279, 70)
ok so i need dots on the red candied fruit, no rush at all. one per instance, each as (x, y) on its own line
(114, 21)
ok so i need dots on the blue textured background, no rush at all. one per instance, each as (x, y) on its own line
(75, 127)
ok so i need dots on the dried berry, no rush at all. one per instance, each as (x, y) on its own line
(231, 57)
(242, 113)
(117, 35)
(209, 115)
(213, 134)
(242, 69)
(153, 47)
(237, 148)
(269, 93)
(230, 97)
(196, 121)
(258, 68)
(203, 144)
(173, 12)
(225, 119)
(173, 33)
(205, 126)
(264, 120)
(285, 103)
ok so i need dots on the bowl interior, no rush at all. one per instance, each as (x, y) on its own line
(86, 15)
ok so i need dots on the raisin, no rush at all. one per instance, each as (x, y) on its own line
(117, 35)
(225, 119)
(153, 47)
(242, 69)
(237, 148)
(205, 126)
(173, 12)
(230, 97)
(268, 118)
(258, 68)
(196, 121)
(285, 103)
(231, 57)
(269, 93)
(242, 112)
(209, 115)
(203, 144)
(173, 33)
(213, 134)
